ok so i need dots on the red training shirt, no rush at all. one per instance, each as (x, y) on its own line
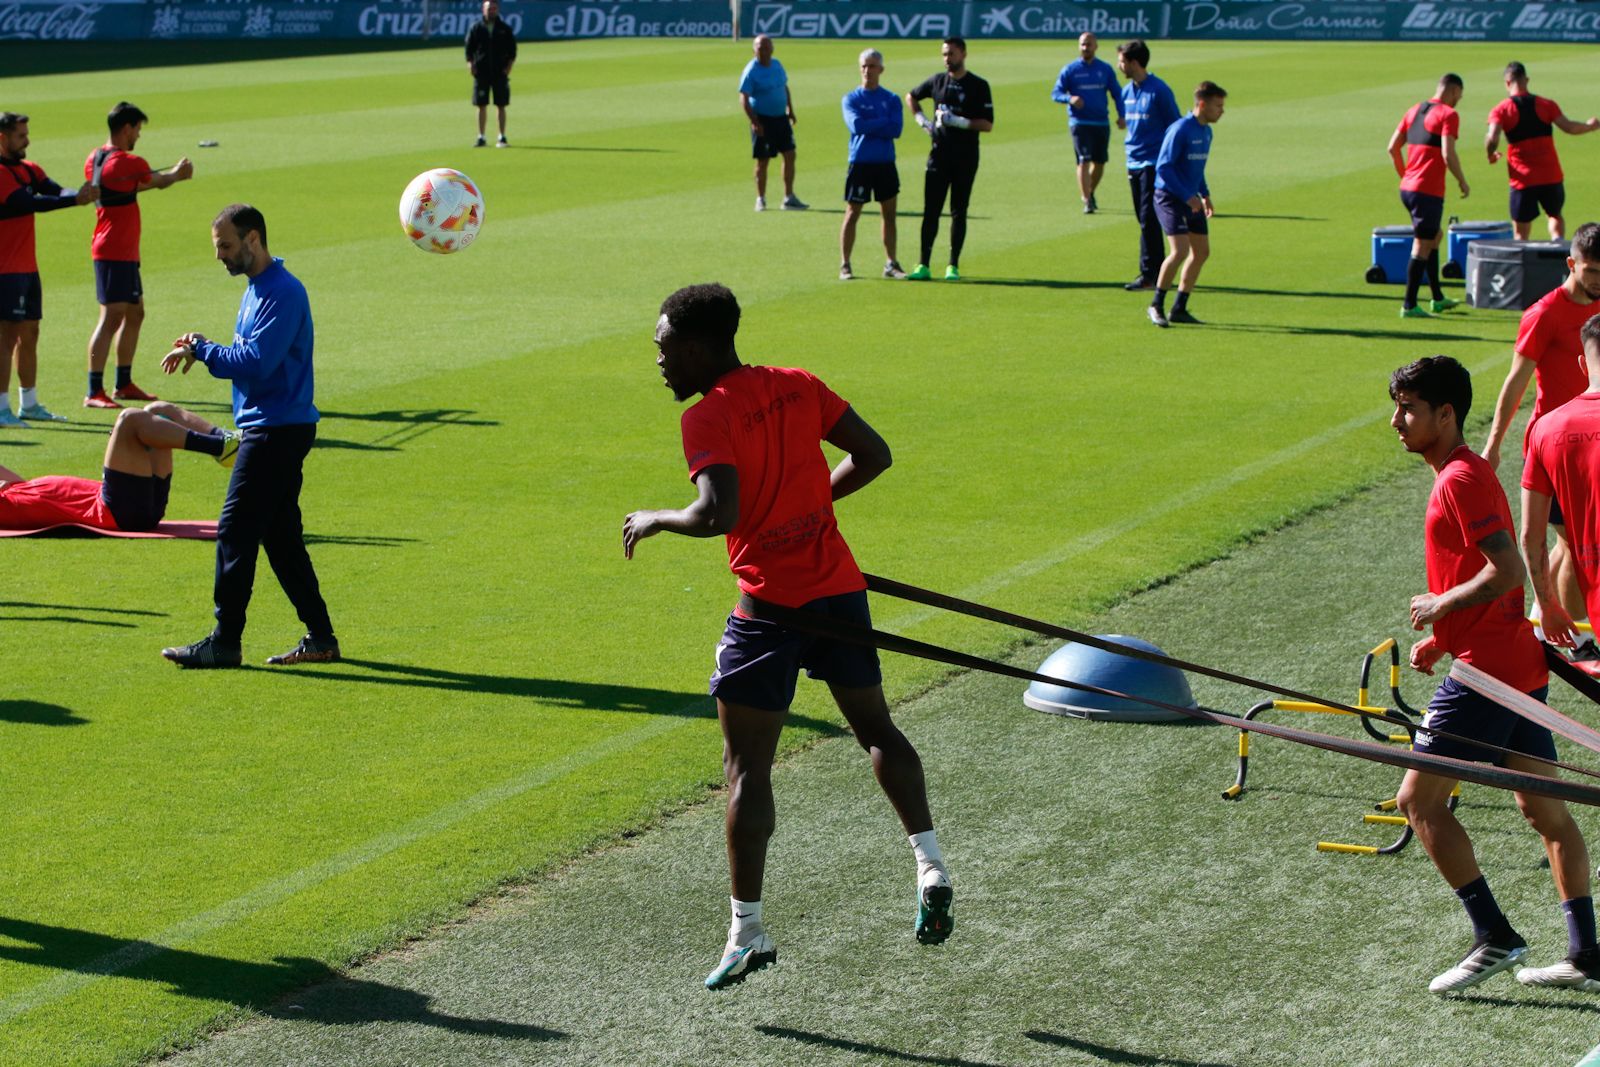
(1531, 161)
(1467, 505)
(16, 235)
(42, 502)
(768, 423)
(1548, 335)
(116, 228)
(1425, 169)
(1564, 463)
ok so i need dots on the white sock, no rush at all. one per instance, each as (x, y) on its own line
(746, 920)
(926, 846)
(30, 397)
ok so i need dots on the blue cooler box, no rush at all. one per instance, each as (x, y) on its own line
(1391, 249)
(1462, 234)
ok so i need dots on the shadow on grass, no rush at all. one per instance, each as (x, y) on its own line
(587, 695)
(878, 1052)
(1584, 1007)
(1272, 218)
(580, 148)
(1112, 1054)
(1039, 283)
(1344, 331)
(410, 424)
(362, 540)
(245, 983)
(71, 614)
(38, 713)
(1386, 297)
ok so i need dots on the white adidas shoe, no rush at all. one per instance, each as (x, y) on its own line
(1566, 974)
(1483, 960)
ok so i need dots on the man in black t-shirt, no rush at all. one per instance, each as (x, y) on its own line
(963, 109)
(491, 50)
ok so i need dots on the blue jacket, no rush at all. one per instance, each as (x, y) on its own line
(269, 361)
(1181, 166)
(1092, 81)
(874, 118)
(1149, 108)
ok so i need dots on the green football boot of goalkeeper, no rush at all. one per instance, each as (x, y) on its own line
(920, 274)
(1446, 304)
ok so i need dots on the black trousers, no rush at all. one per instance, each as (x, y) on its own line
(952, 177)
(263, 510)
(1142, 184)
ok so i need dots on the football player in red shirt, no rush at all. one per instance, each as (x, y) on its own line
(24, 192)
(131, 494)
(1428, 131)
(121, 176)
(1547, 350)
(753, 446)
(1474, 606)
(1528, 123)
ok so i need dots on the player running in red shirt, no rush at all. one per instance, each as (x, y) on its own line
(1529, 123)
(1428, 131)
(1547, 349)
(121, 177)
(1474, 604)
(24, 192)
(753, 450)
(131, 495)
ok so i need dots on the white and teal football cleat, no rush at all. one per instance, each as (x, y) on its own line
(741, 961)
(934, 898)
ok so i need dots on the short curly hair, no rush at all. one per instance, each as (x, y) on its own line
(707, 312)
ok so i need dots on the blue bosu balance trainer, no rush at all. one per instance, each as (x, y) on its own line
(1391, 249)
(1108, 670)
(1461, 235)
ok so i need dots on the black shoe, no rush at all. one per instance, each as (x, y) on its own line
(1182, 315)
(208, 652)
(309, 650)
(1139, 285)
(1156, 316)
(1093, 207)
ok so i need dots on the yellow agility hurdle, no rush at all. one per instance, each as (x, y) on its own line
(1363, 702)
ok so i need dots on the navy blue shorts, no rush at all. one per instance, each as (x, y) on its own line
(1176, 218)
(1427, 212)
(871, 181)
(776, 137)
(1461, 711)
(116, 281)
(21, 298)
(758, 661)
(1526, 203)
(137, 502)
(1090, 143)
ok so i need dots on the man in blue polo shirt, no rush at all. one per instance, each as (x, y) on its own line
(1084, 86)
(269, 364)
(764, 95)
(1183, 202)
(1148, 107)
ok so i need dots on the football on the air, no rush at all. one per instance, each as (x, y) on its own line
(441, 210)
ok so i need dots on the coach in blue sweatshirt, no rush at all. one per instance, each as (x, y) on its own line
(269, 363)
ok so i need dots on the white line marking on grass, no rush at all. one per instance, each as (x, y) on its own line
(1093, 539)
(280, 889)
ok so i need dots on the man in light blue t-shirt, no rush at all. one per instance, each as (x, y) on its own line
(1084, 86)
(764, 95)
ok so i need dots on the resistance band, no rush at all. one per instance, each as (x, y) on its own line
(1482, 774)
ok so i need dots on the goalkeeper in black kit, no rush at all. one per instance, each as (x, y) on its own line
(963, 108)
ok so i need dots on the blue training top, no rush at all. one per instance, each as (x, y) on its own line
(1181, 166)
(269, 361)
(767, 87)
(1092, 81)
(874, 118)
(1149, 108)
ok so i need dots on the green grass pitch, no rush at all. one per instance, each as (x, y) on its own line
(183, 849)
